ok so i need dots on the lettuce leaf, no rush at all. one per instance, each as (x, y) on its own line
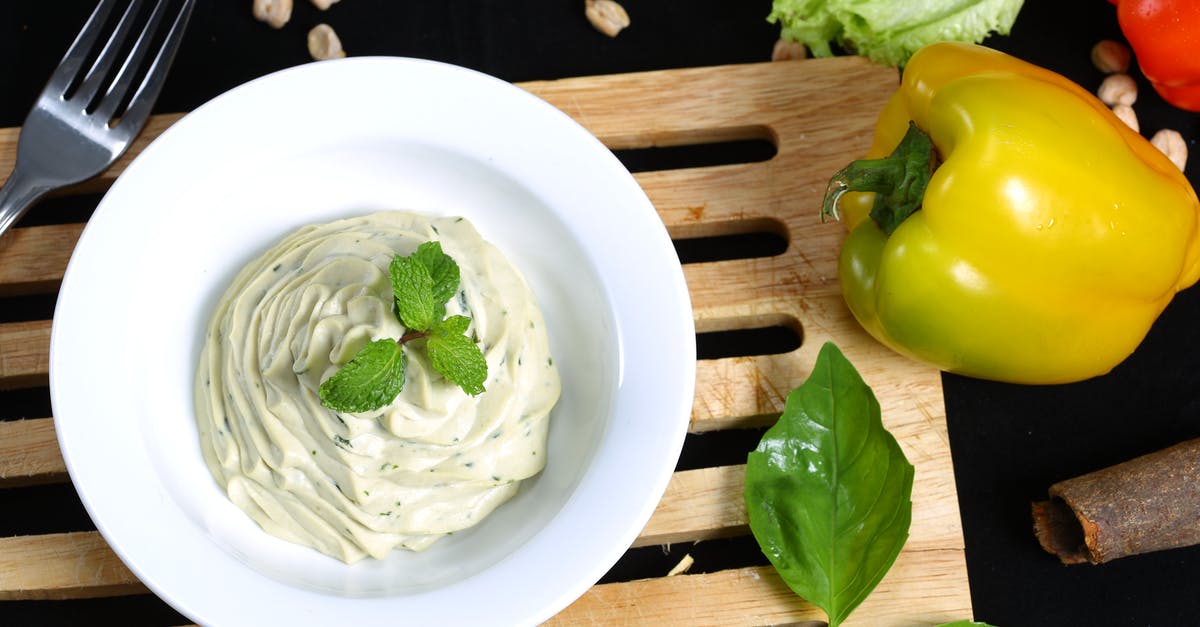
(886, 31)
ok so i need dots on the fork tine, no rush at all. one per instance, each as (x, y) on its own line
(147, 91)
(75, 55)
(133, 61)
(100, 69)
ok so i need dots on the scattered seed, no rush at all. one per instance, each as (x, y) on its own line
(324, 44)
(1111, 57)
(786, 50)
(1125, 114)
(275, 13)
(607, 16)
(1171, 143)
(1118, 89)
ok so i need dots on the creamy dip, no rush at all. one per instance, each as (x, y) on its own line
(433, 462)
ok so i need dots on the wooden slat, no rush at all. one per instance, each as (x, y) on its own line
(700, 504)
(24, 354)
(32, 260)
(740, 392)
(62, 566)
(922, 588)
(700, 202)
(29, 453)
(765, 285)
(747, 596)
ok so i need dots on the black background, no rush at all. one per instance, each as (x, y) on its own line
(1009, 442)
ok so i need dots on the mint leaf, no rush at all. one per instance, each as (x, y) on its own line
(829, 491)
(455, 325)
(442, 269)
(370, 380)
(456, 356)
(412, 286)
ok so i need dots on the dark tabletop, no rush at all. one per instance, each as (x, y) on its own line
(1009, 442)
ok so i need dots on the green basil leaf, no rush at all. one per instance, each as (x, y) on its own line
(828, 490)
(370, 380)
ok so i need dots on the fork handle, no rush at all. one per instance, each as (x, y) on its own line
(17, 196)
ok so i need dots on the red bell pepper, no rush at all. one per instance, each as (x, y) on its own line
(1165, 37)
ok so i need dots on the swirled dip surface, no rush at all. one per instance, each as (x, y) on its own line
(433, 462)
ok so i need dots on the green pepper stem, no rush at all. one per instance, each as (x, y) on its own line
(898, 181)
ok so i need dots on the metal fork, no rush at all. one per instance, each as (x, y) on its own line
(77, 127)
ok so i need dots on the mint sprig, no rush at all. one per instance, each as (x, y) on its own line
(422, 283)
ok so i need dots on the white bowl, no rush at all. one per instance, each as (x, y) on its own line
(330, 140)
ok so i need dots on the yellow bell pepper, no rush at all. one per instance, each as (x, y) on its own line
(1037, 244)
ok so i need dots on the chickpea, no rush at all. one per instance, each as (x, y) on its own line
(786, 50)
(1171, 143)
(1118, 89)
(1111, 57)
(606, 16)
(324, 44)
(275, 13)
(1125, 114)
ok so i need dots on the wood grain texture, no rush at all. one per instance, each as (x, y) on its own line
(32, 260)
(62, 566)
(24, 354)
(700, 504)
(918, 582)
(820, 115)
(29, 453)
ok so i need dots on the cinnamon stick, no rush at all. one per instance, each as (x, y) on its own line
(1149, 503)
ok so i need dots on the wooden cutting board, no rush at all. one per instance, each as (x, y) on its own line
(819, 115)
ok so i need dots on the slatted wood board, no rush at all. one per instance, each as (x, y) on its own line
(819, 114)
